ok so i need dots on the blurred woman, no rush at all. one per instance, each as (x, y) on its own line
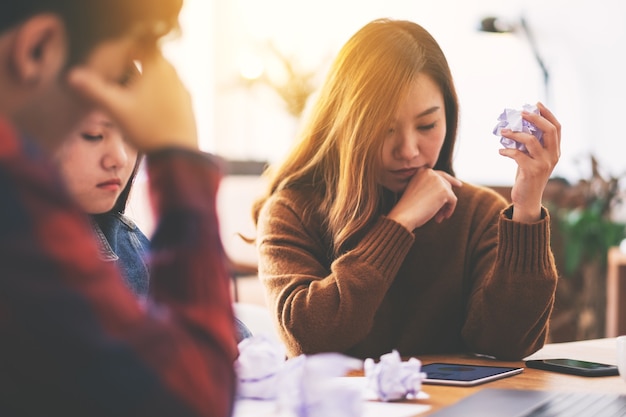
(99, 167)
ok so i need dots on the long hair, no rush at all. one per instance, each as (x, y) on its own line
(122, 199)
(339, 154)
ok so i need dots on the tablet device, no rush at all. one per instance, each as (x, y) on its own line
(465, 375)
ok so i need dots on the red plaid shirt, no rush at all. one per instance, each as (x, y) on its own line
(73, 340)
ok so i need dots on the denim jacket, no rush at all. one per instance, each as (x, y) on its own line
(121, 241)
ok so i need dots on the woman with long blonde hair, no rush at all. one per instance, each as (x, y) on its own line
(367, 242)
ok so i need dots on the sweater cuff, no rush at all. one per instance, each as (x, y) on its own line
(385, 246)
(182, 179)
(525, 247)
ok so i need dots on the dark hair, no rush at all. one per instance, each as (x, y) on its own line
(122, 199)
(89, 22)
(102, 219)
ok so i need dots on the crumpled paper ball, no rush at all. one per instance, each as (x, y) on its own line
(392, 379)
(309, 387)
(304, 386)
(258, 367)
(512, 119)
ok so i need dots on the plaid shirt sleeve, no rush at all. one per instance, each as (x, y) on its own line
(73, 340)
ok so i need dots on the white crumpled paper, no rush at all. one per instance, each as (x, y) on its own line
(512, 119)
(258, 367)
(304, 386)
(310, 387)
(392, 379)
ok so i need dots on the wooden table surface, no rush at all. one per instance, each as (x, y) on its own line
(598, 350)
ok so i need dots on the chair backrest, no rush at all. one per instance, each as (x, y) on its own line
(257, 318)
(235, 197)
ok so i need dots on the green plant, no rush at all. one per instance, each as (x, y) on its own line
(588, 229)
(588, 234)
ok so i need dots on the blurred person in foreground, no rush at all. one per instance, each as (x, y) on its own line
(75, 340)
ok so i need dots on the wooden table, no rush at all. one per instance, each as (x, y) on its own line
(598, 350)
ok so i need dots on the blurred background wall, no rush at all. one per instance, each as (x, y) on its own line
(253, 66)
(238, 56)
(231, 48)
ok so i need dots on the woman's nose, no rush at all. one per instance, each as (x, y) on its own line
(116, 156)
(407, 147)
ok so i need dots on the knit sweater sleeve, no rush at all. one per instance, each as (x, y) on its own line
(321, 305)
(513, 296)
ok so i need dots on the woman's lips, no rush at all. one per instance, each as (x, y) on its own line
(405, 173)
(112, 185)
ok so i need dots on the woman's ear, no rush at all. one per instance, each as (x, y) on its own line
(40, 50)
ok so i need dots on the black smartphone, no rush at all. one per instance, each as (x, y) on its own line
(465, 375)
(574, 367)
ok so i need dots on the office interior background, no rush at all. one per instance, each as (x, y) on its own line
(229, 49)
(253, 68)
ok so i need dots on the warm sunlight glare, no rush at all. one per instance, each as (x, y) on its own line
(191, 54)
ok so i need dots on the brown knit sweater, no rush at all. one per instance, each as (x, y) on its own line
(478, 282)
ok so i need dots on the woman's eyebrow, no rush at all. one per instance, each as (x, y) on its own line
(106, 123)
(427, 112)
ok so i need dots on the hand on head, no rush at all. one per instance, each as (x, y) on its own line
(536, 166)
(154, 110)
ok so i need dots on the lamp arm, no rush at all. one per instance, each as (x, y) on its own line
(535, 51)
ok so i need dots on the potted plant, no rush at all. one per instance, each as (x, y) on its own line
(587, 229)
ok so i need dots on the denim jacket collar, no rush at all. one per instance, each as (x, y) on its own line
(105, 250)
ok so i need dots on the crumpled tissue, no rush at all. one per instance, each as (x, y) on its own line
(258, 367)
(309, 387)
(304, 386)
(392, 379)
(512, 119)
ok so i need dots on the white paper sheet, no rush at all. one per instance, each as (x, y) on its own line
(256, 408)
